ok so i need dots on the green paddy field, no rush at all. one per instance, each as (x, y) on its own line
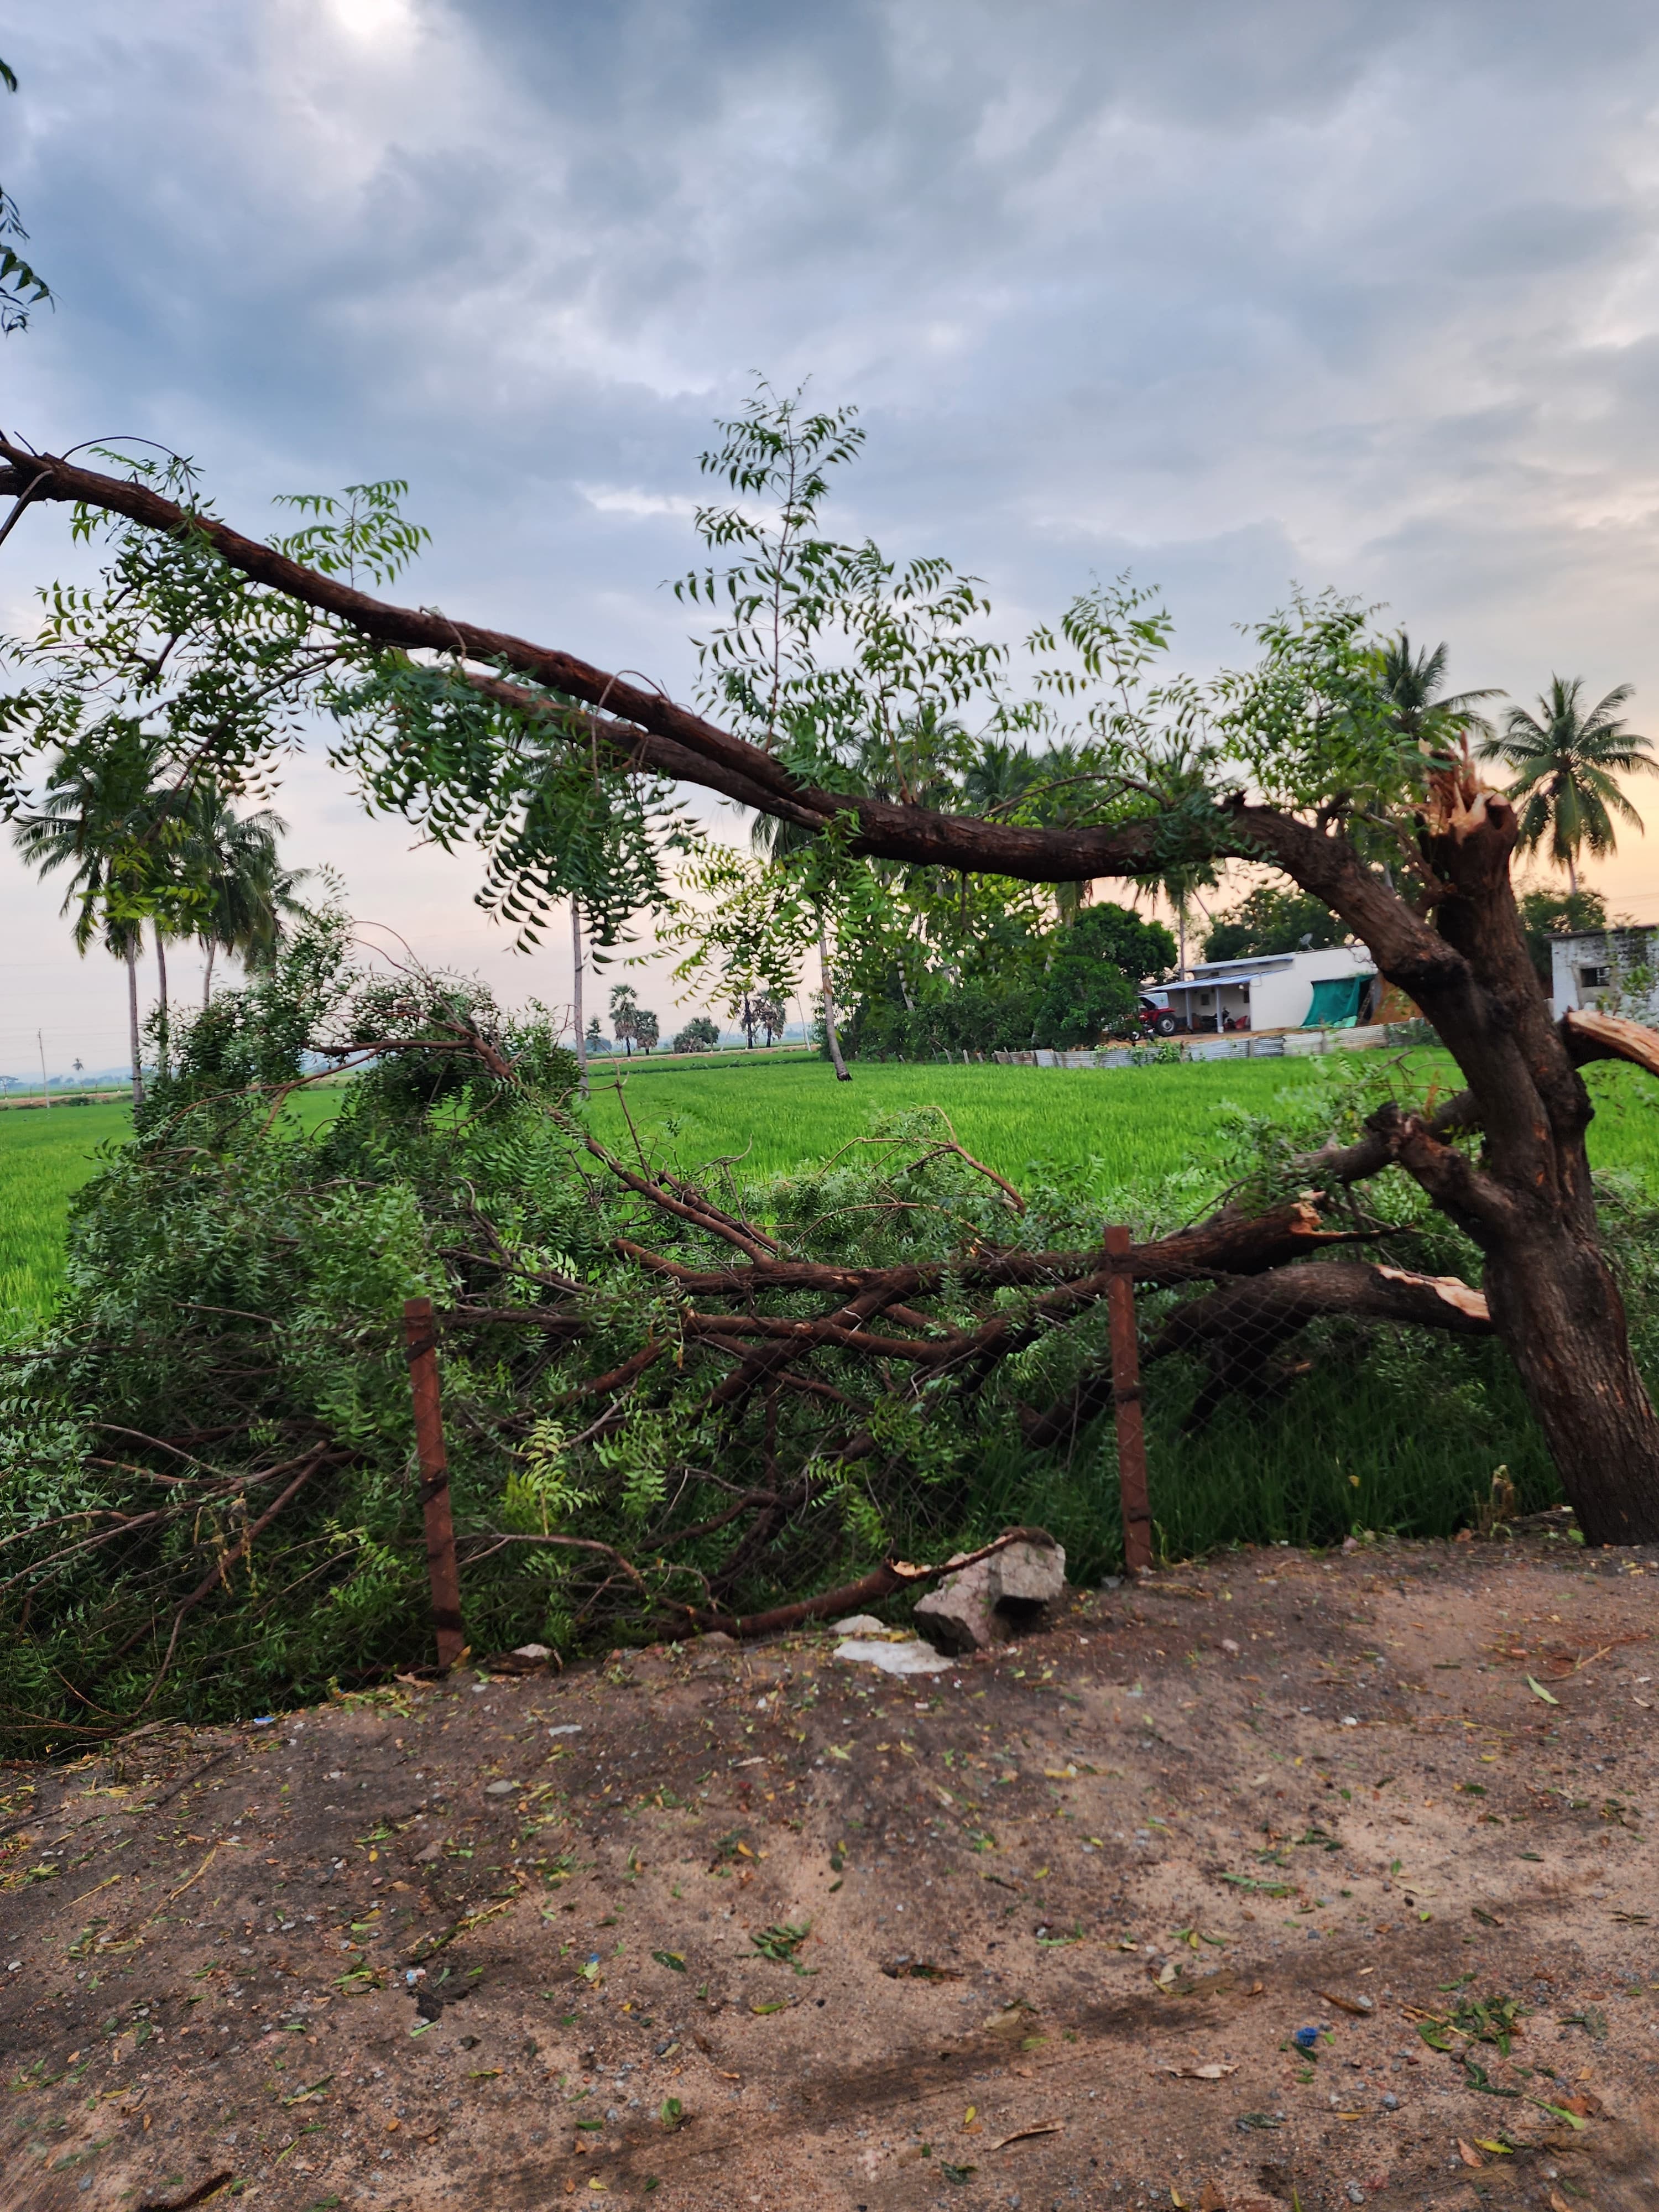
(1124, 1126)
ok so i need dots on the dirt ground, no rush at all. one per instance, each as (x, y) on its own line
(733, 1928)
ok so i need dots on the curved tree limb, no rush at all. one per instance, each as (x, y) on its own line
(1251, 1317)
(1592, 1036)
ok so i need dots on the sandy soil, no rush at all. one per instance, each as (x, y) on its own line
(730, 1929)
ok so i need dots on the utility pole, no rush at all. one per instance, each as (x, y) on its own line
(46, 1092)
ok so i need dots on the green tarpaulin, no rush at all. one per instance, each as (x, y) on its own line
(1337, 1001)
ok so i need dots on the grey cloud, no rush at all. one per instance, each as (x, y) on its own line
(1305, 288)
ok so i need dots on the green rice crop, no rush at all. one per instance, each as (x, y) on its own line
(1123, 1127)
(44, 1157)
(1137, 1125)
(1134, 1125)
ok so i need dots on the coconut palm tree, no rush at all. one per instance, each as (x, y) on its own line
(998, 776)
(231, 860)
(1414, 704)
(110, 825)
(1566, 760)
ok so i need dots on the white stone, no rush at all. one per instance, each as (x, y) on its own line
(1027, 1574)
(994, 1599)
(911, 1658)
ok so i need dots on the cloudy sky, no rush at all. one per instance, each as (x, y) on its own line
(1233, 294)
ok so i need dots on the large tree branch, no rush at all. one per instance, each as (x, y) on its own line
(1467, 970)
(1591, 1037)
(1243, 1322)
(1370, 1154)
(1321, 1290)
(1411, 952)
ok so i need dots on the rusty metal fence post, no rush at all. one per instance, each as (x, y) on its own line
(1126, 1407)
(441, 1570)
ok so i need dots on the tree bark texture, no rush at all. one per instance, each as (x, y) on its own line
(1453, 946)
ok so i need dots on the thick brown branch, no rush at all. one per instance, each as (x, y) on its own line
(1591, 1037)
(1375, 1151)
(1249, 1318)
(1321, 1290)
(1412, 951)
(761, 1365)
(646, 1356)
(803, 1335)
(1477, 1202)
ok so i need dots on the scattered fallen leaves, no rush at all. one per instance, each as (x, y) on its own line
(780, 1943)
(1212, 2072)
(1024, 2134)
(1539, 1690)
(312, 2089)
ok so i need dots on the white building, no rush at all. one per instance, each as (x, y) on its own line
(1269, 991)
(1616, 970)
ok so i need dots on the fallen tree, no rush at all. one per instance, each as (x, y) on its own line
(565, 771)
(671, 1407)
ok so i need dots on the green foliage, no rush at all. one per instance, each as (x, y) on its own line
(975, 1019)
(698, 1035)
(236, 1279)
(1545, 914)
(833, 653)
(635, 1024)
(1068, 987)
(1091, 989)
(21, 289)
(178, 674)
(1268, 920)
(233, 1320)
